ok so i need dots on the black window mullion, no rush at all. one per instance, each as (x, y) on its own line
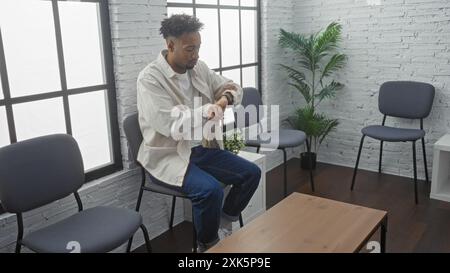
(7, 93)
(235, 67)
(62, 68)
(207, 6)
(111, 90)
(194, 9)
(259, 37)
(220, 41)
(240, 43)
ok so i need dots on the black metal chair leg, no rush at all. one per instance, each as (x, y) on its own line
(415, 172)
(381, 156)
(18, 247)
(138, 207)
(147, 239)
(174, 199)
(258, 149)
(285, 171)
(357, 162)
(130, 242)
(241, 222)
(311, 176)
(141, 191)
(19, 232)
(425, 160)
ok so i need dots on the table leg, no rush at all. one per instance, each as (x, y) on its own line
(383, 234)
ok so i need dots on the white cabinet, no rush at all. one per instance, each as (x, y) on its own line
(440, 186)
(257, 204)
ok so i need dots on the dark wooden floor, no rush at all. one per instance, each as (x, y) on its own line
(411, 228)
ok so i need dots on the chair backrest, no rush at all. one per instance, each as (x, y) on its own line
(133, 134)
(39, 171)
(406, 99)
(251, 97)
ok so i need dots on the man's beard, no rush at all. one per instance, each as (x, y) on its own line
(191, 65)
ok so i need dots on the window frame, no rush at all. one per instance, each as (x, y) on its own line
(64, 93)
(218, 6)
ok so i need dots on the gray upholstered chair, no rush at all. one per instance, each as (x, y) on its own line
(286, 138)
(401, 99)
(42, 170)
(148, 182)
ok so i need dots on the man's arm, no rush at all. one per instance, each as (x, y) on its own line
(224, 89)
(163, 115)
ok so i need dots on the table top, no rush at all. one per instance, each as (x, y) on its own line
(304, 223)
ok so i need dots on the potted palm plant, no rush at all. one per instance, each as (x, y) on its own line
(317, 59)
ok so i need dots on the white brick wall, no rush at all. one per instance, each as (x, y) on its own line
(397, 40)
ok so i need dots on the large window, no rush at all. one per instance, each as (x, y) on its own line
(230, 38)
(56, 73)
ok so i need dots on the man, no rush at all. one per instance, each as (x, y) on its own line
(168, 91)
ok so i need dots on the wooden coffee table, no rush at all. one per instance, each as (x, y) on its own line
(303, 223)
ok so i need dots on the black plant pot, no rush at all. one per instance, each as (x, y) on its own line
(307, 159)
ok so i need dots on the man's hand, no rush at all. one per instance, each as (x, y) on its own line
(223, 103)
(215, 112)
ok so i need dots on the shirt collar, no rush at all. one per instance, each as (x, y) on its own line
(166, 68)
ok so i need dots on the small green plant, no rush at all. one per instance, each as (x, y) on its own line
(234, 142)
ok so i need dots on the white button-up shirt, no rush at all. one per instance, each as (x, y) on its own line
(158, 93)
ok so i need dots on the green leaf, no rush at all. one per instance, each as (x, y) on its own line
(327, 40)
(299, 83)
(316, 126)
(292, 40)
(304, 89)
(300, 44)
(330, 125)
(329, 91)
(336, 62)
(294, 74)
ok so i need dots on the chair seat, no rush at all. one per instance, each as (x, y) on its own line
(97, 230)
(287, 139)
(391, 134)
(154, 185)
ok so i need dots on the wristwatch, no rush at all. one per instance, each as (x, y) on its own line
(229, 98)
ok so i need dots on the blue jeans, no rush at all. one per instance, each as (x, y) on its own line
(201, 183)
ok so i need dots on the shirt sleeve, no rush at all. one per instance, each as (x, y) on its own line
(161, 113)
(218, 83)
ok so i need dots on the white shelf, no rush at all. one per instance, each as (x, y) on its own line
(440, 186)
(443, 144)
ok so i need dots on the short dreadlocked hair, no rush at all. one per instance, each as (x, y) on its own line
(179, 24)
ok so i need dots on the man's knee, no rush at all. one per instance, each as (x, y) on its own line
(214, 192)
(255, 173)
